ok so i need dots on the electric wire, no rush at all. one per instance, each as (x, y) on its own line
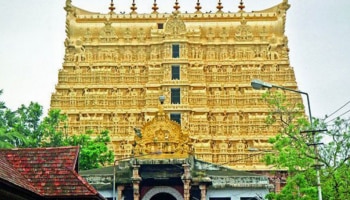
(337, 117)
(327, 116)
(345, 121)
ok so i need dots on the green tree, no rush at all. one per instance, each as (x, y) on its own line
(24, 128)
(2, 107)
(335, 155)
(28, 119)
(94, 151)
(52, 134)
(9, 136)
(297, 155)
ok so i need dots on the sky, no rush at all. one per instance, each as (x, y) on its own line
(32, 33)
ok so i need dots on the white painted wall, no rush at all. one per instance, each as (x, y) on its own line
(236, 193)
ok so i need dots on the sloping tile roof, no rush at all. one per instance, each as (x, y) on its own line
(49, 172)
(8, 173)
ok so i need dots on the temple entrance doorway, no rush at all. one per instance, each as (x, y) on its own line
(163, 196)
(162, 193)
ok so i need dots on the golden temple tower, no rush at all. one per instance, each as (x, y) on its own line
(116, 66)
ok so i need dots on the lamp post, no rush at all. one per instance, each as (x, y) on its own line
(258, 84)
(126, 158)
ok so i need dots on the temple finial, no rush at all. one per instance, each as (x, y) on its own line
(155, 7)
(111, 7)
(198, 7)
(241, 6)
(68, 2)
(219, 7)
(133, 7)
(68, 6)
(176, 7)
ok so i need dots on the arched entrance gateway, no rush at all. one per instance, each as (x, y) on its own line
(163, 192)
(162, 196)
(164, 168)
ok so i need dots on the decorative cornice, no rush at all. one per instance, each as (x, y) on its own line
(240, 182)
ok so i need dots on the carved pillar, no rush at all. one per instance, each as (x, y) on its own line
(187, 188)
(136, 179)
(120, 189)
(203, 189)
(186, 179)
(278, 185)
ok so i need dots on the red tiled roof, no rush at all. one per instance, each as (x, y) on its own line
(48, 172)
(8, 173)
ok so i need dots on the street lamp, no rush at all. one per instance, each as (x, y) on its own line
(126, 158)
(259, 84)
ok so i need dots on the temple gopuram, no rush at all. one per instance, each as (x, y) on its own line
(117, 66)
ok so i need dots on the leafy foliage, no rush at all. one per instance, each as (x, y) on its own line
(9, 134)
(94, 152)
(297, 155)
(335, 157)
(24, 128)
(27, 124)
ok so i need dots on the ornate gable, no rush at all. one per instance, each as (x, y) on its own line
(175, 27)
(244, 32)
(161, 135)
